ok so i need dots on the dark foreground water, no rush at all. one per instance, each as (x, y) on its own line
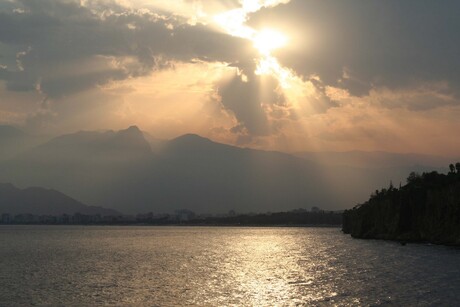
(164, 266)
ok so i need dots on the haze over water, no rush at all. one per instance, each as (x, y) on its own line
(74, 265)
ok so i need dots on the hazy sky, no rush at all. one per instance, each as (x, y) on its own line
(273, 74)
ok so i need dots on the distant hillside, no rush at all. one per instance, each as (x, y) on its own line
(119, 170)
(14, 141)
(427, 209)
(39, 201)
(132, 172)
(97, 168)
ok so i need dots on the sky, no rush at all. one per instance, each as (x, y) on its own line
(288, 75)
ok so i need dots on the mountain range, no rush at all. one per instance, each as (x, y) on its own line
(131, 171)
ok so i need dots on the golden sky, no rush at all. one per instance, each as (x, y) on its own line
(298, 75)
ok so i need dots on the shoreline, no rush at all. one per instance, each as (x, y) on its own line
(407, 241)
(187, 225)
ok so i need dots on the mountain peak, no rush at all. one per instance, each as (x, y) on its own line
(193, 143)
(132, 140)
(191, 138)
(133, 128)
(123, 145)
(131, 131)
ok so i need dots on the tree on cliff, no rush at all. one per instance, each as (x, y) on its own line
(427, 208)
(413, 177)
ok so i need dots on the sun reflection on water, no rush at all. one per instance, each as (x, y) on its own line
(270, 271)
(207, 266)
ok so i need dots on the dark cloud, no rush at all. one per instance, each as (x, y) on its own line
(60, 41)
(381, 43)
(245, 98)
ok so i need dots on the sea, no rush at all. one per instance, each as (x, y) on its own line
(219, 266)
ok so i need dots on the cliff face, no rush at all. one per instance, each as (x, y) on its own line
(427, 209)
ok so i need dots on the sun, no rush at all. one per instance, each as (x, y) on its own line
(267, 40)
(264, 40)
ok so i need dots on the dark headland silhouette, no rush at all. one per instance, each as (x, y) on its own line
(426, 209)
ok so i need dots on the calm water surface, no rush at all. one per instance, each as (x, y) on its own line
(164, 266)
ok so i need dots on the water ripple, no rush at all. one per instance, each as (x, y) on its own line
(219, 267)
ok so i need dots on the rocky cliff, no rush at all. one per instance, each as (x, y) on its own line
(426, 209)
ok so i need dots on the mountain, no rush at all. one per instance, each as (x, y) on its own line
(96, 167)
(199, 174)
(39, 201)
(119, 169)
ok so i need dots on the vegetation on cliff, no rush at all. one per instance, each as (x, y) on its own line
(426, 209)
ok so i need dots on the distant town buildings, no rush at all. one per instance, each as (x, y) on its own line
(182, 216)
(84, 219)
(6, 219)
